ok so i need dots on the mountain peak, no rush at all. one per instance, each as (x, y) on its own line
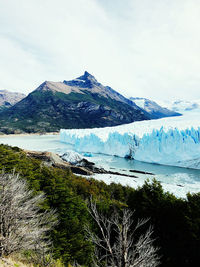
(87, 74)
(87, 77)
(84, 81)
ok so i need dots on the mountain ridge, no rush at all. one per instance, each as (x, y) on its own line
(8, 99)
(79, 103)
(153, 108)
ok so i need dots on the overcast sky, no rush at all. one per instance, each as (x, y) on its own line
(144, 48)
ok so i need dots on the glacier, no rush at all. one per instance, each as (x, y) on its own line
(171, 141)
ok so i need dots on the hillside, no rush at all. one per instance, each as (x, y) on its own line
(80, 103)
(170, 216)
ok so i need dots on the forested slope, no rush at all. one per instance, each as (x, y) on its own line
(176, 221)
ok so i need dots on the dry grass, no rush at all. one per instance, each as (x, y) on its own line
(16, 261)
(9, 262)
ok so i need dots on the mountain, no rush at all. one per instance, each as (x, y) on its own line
(155, 110)
(79, 103)
(8, 99)
(184, 105)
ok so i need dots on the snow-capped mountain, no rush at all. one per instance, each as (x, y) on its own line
(153, 108)
(170, 141)
(183, 106)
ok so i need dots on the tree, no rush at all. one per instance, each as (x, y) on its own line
(22, 224)
(117, 244)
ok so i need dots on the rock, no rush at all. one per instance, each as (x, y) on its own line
(86, 163)
(122, 174)
(52, 159)
(48, 158)
(83, 167)
(72, 157)
(142, 172)
(90, 166)
(80, 170)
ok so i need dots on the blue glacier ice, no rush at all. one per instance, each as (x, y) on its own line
(169, 141)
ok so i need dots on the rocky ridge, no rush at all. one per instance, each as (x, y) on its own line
(82, 167)
(79, 103)
(8, 99)
(156, 111)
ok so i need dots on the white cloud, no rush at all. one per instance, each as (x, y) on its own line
(140, 48)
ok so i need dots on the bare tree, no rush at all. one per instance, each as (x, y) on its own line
(126, 250)
(22, 225)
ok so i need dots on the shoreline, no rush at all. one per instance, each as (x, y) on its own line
(179, 186)
(28, 134)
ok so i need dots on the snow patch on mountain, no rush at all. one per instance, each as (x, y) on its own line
(140, 102)
(153, 108)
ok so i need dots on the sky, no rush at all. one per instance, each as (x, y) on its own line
(141, 48)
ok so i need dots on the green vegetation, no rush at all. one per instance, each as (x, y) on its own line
(176, 221)
(48, 111)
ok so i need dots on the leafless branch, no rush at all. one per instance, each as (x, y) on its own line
(126, 250)
(22, 224)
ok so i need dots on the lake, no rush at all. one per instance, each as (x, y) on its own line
(173, 179)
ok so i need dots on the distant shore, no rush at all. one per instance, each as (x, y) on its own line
(28, 134)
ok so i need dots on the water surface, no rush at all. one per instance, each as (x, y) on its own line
(174, 179)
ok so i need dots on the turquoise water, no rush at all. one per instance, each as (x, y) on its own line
(174, 179)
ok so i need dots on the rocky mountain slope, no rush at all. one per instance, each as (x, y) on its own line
(156, 111)
(8, 99)
(79, 103)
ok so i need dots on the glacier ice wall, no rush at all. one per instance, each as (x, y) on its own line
(173, 147)
(116, 143)
(169, 141)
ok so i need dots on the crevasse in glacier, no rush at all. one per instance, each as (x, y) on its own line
(173, 147)
(116, 144)
(169, 141)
